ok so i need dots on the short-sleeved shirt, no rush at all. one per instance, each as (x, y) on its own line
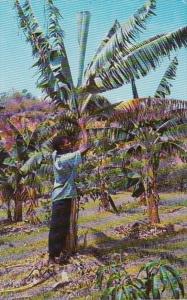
(65, 173)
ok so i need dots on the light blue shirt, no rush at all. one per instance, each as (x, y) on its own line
(65, 173)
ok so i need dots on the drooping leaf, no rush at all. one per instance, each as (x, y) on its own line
(50, 77)
(156, 287)
(33, 162)
(58, 55)
(137, 62)
(164, 87)
(178, 278)
(120, 37)
(139, 189)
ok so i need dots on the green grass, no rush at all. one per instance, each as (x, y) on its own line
(21, 236)
(94, 218)
(137, 249)
(175, 246)
(110, 224)
(3, 214)
(27, 247)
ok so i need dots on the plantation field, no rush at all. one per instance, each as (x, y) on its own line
(103, 237)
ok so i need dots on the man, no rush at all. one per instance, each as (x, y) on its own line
(65, 163)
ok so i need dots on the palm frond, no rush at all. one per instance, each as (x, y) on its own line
(46, 170)
(178, 132)
(32, 163)
(165, 85)
(58, 56)
(119, 38)
(170, 148)
(104, 42)
(50, 81)
(171, 123)
(40, 46)
(89, 103)
(137, 62)
(149, 109)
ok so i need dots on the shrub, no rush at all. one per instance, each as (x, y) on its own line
(153, 279)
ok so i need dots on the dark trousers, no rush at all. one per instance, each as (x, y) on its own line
(59, 226)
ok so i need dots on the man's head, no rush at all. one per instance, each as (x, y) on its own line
(64, 144)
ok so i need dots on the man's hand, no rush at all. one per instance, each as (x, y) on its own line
(84, 146)
(82, 123)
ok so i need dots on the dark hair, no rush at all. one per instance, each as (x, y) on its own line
(59, 140)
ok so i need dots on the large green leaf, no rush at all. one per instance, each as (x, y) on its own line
(83, 28)
(104, 42)
(148, 110)
(179, 132)
(136, 62)
(40, 45)
(177, 276)
(156, 287)
(51, 60)
(58, 56)
(119, 38)
(32, 163)
(165, 85)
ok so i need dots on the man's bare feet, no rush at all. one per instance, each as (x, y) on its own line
(64, 258)
(53, 260)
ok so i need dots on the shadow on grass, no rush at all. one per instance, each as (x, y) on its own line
(141, 248)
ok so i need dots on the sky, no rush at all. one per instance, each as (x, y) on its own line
(16, 56)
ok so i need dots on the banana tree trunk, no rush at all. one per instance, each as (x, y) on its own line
(72, 237)
(134, 89)
(152, 195)
(9, 214)
(18, 210)
(105, 204)
(153, 214)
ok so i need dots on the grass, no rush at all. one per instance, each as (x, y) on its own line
(94, 218)
(26, 248)
(3, 214)
(137, 251)
(175, 246)
(174, 219)
(15, 237)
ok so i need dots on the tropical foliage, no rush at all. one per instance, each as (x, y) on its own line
(143, 129)
(164, 87)
(152, 282)
(154, 128)
(23, 129)
(118, 60)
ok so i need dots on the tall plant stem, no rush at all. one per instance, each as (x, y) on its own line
(134, 89)
(83, 28)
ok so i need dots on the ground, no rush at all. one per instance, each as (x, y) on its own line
(103, 237)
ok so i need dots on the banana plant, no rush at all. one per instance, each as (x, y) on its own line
(119, 59)
(164, 87)
(23, 129)
(152, 282)
(160, 277)
(157, 127)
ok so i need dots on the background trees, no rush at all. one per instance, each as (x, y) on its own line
(23, 130)
(157, 127)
